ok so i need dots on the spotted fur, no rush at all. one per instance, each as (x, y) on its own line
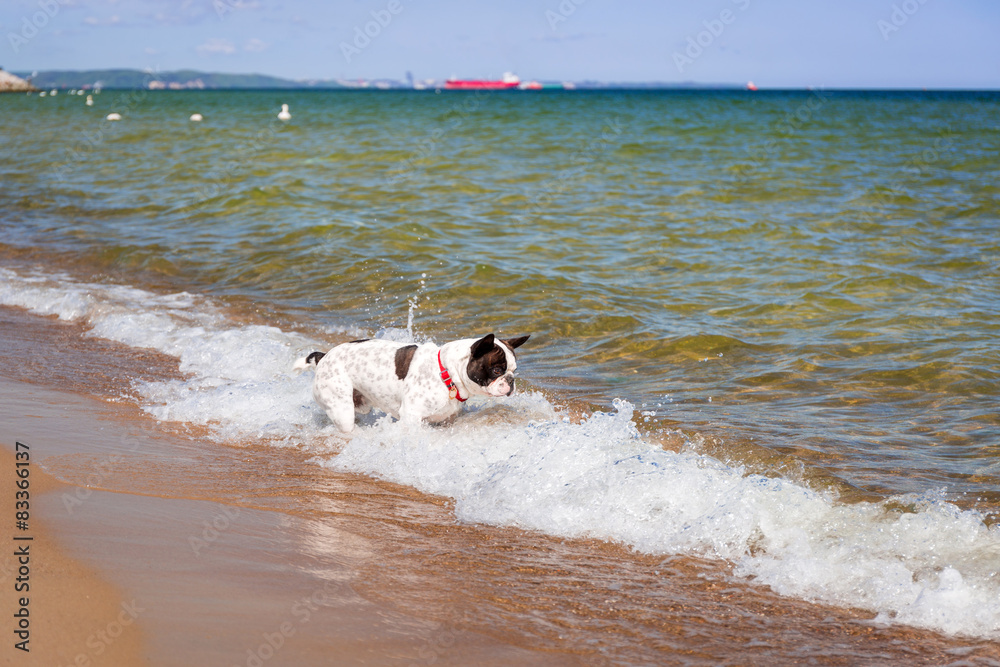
(404, 381)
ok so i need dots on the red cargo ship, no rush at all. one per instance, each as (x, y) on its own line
(508, 81)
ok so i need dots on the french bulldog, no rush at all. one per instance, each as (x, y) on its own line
(412, 383)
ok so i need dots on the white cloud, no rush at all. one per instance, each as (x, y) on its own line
(216, 45)
(112, 20)
(255, 45)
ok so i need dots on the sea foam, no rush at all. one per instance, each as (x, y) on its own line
(523, 463)
(935, 567)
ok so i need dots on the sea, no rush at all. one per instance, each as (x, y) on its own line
(765, 333)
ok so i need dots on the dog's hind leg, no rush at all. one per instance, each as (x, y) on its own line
(335, 395)
(361, 404)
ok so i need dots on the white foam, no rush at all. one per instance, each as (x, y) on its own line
(934, 568)
(521, 463)
(239, 381)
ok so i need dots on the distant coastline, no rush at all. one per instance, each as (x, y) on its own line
(133, 79)
(194, 80)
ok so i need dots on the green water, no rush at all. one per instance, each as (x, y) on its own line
(817, 272)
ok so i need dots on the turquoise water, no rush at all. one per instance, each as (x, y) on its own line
(815, 272)
(763, 326)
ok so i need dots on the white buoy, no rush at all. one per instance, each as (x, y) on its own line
(42, 94)
(113, 116)
(283, 114)
(90, 100)
(196, 117)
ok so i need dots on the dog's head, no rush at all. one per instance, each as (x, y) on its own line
(493, 363)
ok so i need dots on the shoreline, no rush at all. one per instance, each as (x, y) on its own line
(210, 580)
(223, 569)
(225, 546)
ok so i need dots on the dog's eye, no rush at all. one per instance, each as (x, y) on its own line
(496, 372)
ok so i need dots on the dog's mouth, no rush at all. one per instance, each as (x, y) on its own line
(502, 386)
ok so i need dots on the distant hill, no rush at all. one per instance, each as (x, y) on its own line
(194, 80)
(178, 80)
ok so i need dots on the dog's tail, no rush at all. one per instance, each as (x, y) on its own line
(310, 360)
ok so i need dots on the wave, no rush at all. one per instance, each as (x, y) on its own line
(916, 560)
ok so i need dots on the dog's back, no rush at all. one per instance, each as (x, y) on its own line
(357, 376)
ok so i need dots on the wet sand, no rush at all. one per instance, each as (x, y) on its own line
(187, 539)
(205, 581)
(72, 610)
(244, 554)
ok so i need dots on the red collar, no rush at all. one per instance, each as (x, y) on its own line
(446, 378)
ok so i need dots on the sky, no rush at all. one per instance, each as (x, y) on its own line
(775, 43)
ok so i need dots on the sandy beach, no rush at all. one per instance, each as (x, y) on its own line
(215, 582)
(72, 610)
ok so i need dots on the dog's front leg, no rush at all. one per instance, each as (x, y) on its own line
(410, 414)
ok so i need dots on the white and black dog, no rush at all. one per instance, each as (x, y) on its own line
(412, 383)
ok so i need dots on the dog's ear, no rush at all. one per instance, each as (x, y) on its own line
(517, 342)
(483, 346)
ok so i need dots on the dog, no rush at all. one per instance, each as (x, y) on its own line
(412, 383)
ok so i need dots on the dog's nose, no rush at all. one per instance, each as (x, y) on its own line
(510, 384)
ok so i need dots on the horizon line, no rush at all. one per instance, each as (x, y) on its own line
(431, 83)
